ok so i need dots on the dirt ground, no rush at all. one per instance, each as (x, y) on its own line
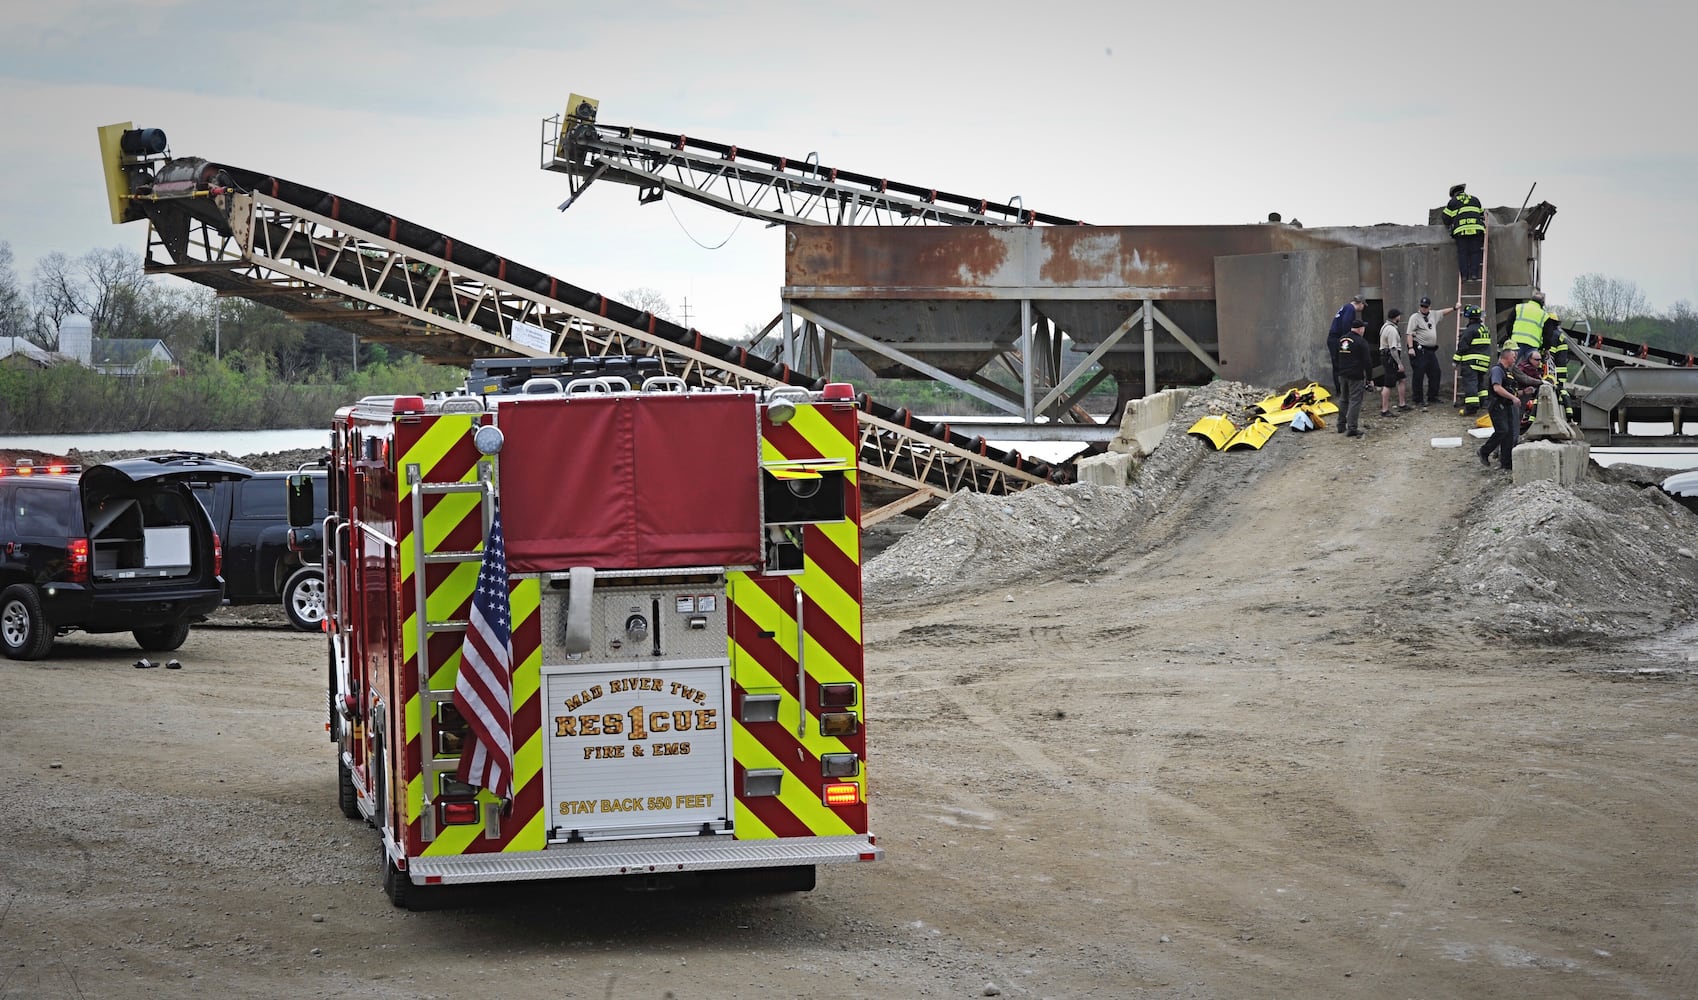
(1303, 723)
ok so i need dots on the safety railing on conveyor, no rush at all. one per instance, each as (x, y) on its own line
(320, 257)
(777, 189)
(1610, 352)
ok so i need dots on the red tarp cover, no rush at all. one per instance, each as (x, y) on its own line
(628, 482)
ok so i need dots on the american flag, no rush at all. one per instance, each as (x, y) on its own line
(484, 692)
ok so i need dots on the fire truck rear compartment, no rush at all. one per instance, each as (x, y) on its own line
(635, 728)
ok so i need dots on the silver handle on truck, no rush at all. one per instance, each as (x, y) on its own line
(801, 668)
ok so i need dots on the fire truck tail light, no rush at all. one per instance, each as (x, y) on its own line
(409, 404)
(79, 559)
(463, 813)
(839, 765)
(838, 391)
(839, 724)
(842, 793)
(837, 695)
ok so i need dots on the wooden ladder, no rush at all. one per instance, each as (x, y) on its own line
(1480, 297)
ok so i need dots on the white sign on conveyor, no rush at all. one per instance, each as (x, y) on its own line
(528, 335)
(637, 751)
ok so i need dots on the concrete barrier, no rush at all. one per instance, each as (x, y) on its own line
(1109, 469)
(1145, 422)
(1561, 461)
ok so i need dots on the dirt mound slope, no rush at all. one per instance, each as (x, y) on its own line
(1609, 557)
(1595, 560)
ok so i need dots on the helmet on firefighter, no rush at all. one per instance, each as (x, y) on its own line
(1472, 312)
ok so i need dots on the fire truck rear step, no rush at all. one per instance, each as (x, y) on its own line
(579, 860)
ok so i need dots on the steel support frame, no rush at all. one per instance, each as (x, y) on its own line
(330, 272)
(809, 194)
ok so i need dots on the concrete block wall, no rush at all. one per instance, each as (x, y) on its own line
(1145, 422)
(1564, 462)
(1109, 469)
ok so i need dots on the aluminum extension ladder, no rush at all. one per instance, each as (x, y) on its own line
(432, 765)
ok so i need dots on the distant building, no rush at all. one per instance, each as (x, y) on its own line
(119, 356)
(129, 357)
(17, 353)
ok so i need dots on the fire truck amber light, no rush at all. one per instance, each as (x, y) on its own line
(837, 695)
(845, 793)
(839, 724)
(839, 765)
(460, 813)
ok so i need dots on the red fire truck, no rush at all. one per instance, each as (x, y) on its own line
(685, 596)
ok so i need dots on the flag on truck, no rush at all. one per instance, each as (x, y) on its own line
(483, 694)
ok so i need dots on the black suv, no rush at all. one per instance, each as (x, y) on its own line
(265, 561)
(121, 547)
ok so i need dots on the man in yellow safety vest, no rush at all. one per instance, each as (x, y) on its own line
(1527, 327)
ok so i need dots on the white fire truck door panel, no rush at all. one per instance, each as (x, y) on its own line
(638, 750)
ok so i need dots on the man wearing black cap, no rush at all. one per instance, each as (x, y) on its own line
(1341, 322)
(1423, 344)
(1467, 219)
(1355, 361)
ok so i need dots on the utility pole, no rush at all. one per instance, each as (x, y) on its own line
(217, 313)
(686, 312)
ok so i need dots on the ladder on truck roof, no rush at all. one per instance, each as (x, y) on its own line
(433, 763)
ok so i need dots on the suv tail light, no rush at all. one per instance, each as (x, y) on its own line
(217, 555)
(78, 549)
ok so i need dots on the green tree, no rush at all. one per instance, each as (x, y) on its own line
(1607, 301)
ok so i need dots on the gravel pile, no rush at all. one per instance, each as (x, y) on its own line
(1168, 467)
(1599, 559)
(972, 540)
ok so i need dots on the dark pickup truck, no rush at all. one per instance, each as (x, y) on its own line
(266, 561)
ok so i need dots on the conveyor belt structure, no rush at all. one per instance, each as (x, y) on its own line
(320, 257)
(777, 189)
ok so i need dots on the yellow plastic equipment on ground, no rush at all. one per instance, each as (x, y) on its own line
(1217, 429)
(1254, 435)
(1291, 399)
(1323, 408)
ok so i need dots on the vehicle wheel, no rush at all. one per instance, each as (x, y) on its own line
(346, 795)
(162, 639)
(24, 630)
(396, 885)
(303, 599)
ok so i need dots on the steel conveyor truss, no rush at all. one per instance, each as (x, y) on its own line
(318, 257)
(776, 189)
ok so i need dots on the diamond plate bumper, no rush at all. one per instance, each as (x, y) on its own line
(652, 858)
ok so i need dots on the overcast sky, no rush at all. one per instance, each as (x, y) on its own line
(1116, 113)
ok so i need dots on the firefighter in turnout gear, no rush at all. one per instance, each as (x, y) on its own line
(1555, 348)
(1467, 218)
(1527, 326)
(1473, 360)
